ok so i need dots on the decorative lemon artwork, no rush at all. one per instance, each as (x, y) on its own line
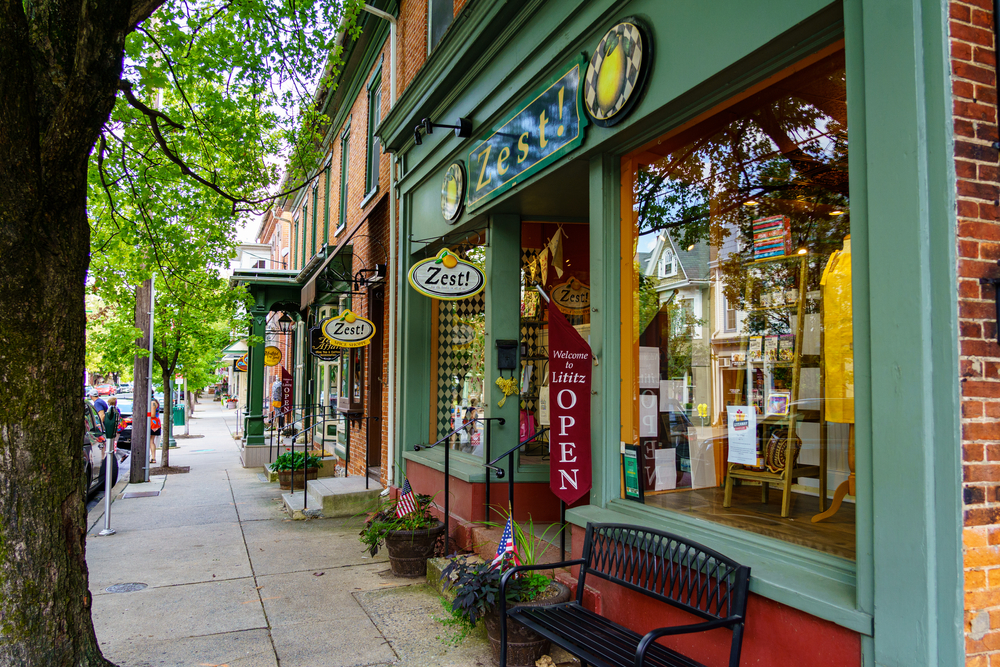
(616, 73)
(348, 330)
(447, 276)
(452, 192)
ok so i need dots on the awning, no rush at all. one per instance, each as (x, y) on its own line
(309, 289)
(236, 350)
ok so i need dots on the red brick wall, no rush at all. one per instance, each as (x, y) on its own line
(974, 89)
(413, 40)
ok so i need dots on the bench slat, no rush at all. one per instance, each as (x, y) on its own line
(593, 638)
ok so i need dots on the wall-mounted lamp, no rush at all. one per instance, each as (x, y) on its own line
(463, 130)
(285, 322)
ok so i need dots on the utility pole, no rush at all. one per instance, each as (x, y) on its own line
(141, 388)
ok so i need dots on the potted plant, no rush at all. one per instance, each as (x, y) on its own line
(409, 539)
(290, 462)
(476, 585)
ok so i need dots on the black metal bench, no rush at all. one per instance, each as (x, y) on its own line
(661, 565)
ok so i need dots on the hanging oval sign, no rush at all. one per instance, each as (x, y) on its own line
(272, 355)
(241, 363)
(348, 330)
(571, 297)
(447, 277)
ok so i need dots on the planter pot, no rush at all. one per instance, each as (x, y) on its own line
(410, 549)
(285, 478)
(524, 645)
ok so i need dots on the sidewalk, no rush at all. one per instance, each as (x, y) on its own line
(232, 582)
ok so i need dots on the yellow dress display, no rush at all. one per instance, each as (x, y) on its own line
(838, 330)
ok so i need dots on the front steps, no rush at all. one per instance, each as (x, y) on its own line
(333, 497)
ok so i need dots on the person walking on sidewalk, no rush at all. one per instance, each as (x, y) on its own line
(112, 417)
(155, 428)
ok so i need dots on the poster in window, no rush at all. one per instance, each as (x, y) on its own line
(742, 422)
(649, 367)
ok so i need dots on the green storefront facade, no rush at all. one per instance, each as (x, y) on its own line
(893, 596)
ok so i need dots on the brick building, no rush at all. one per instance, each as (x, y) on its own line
(865, 341)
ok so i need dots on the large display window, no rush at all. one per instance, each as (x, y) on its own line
(737, 352)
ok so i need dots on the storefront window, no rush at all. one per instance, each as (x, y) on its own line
(738, 394)
(458, 365)
(556, 258)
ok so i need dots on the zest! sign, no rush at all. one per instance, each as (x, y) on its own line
(547, 124)
(572, 297)
(447, 277)
(348, 330)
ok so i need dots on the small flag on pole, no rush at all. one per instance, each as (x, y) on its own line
(507, 545)
(405, 504)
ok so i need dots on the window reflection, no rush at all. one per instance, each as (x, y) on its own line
(742, 305)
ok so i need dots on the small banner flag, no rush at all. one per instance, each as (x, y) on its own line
(570, 370)
(507, 545)
(405, 504)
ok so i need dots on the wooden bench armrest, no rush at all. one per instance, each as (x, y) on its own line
(653, 635)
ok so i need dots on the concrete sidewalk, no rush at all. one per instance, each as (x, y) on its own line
(230, 581)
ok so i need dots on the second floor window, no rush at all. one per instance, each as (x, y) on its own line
(439, 16)
(374, 115)
(344, 157)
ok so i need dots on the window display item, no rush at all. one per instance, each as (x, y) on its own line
(771, 348)
(776, 452)
(777, 403)
(772, 237)
(838, 341)
(755, 349)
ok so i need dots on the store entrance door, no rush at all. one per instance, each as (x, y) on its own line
(376, 382)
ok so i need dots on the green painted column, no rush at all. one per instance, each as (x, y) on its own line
(503, 322)
(255, 390)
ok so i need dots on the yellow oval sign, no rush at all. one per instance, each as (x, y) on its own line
(447, 277)
(348, 330)
(272, 355)
(241, 363)
(571, 297)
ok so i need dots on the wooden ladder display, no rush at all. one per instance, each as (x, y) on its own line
(792, 470)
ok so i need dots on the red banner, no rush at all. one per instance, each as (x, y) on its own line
(570, 368)
(286, 391)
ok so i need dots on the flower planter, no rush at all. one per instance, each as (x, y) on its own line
(410, 549)
(285, 478)
(524, 646)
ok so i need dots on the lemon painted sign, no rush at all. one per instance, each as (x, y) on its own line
(447, 277)
(549, 125)
(616, 73)
(348, 330)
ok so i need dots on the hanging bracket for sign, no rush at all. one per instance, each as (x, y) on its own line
(996, 298)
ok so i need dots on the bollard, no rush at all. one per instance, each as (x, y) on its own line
(108, 460)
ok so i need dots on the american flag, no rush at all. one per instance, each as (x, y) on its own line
(405, 504)
(507, 545)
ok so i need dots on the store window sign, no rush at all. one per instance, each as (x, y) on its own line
(447, 277)
(572, 297)
(348, 330)
(548, 126)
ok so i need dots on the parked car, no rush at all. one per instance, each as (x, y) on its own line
(94, 452)
(105, 389)
(125, 388)
(125, 427)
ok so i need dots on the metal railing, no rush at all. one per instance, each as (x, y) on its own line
(509, 473)
(447, 467)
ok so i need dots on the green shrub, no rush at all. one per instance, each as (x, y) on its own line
(293, 461)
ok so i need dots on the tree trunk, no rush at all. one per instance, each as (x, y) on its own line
(168, 419)
(44, 598)
(58, 81)
(142, 388)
